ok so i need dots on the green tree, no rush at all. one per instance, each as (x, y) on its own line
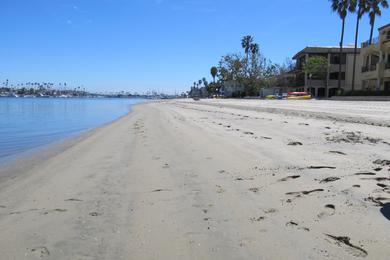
(342, 7)
(374, 10)
(246, 43)
(317, 66)
(214, 72)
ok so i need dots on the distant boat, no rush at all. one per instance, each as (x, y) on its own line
(43, 96)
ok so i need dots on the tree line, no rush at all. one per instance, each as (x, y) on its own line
(253, 71)
(250, 69)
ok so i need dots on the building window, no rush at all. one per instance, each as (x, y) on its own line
(335, 58)
(374, 59)
(335, 76)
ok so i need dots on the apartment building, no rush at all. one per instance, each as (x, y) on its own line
(375, 70)
(327, 87)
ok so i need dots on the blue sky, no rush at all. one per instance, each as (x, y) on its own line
(140, 45)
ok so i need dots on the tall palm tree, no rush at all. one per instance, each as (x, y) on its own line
(246, 43)
(214, 72)
(254, 48)
(342, 7)
(362, 9)
(374, 9)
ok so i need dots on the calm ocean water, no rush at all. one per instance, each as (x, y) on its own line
(29, 123)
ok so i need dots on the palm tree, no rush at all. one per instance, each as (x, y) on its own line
(214, 72)
(246, 43)
(342, 7)
(362, 9)
(374, 9)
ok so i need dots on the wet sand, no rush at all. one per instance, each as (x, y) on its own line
(226, 179)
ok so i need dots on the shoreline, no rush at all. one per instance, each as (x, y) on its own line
(183, 180)
(46, 151)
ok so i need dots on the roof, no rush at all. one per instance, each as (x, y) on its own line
(385, 26)
(325, 49)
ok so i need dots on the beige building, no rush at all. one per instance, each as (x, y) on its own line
(375, 70)
(328, 87)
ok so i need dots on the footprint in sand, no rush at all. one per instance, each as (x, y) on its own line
(40, 251)
(294, 143)
(76, 200)
(345, 242)
(219, 189)
(329, 210)
(54, 211)
(315, 167)
(337, 152)
(329, 179)
(290, 177)
(296, 225)
(254, 190)
(257, 219)
(270, 211)
(300, 193)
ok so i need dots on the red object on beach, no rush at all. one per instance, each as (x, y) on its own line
(298, 93)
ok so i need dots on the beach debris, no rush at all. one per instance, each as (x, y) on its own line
(351, 248)
(320, 167)
(338, 152)
(166, 166)
(254, 190)
(265, 137)
(356, 186)
(94, 214)
(249, 133)
(290, 177)
(294, 143)
(329, 179)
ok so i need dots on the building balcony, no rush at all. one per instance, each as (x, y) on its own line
(368, 48)
(375, 41)
(369, 68)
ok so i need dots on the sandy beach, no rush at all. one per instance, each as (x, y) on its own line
(214, 179)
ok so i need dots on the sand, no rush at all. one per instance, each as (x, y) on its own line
(226, 179)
